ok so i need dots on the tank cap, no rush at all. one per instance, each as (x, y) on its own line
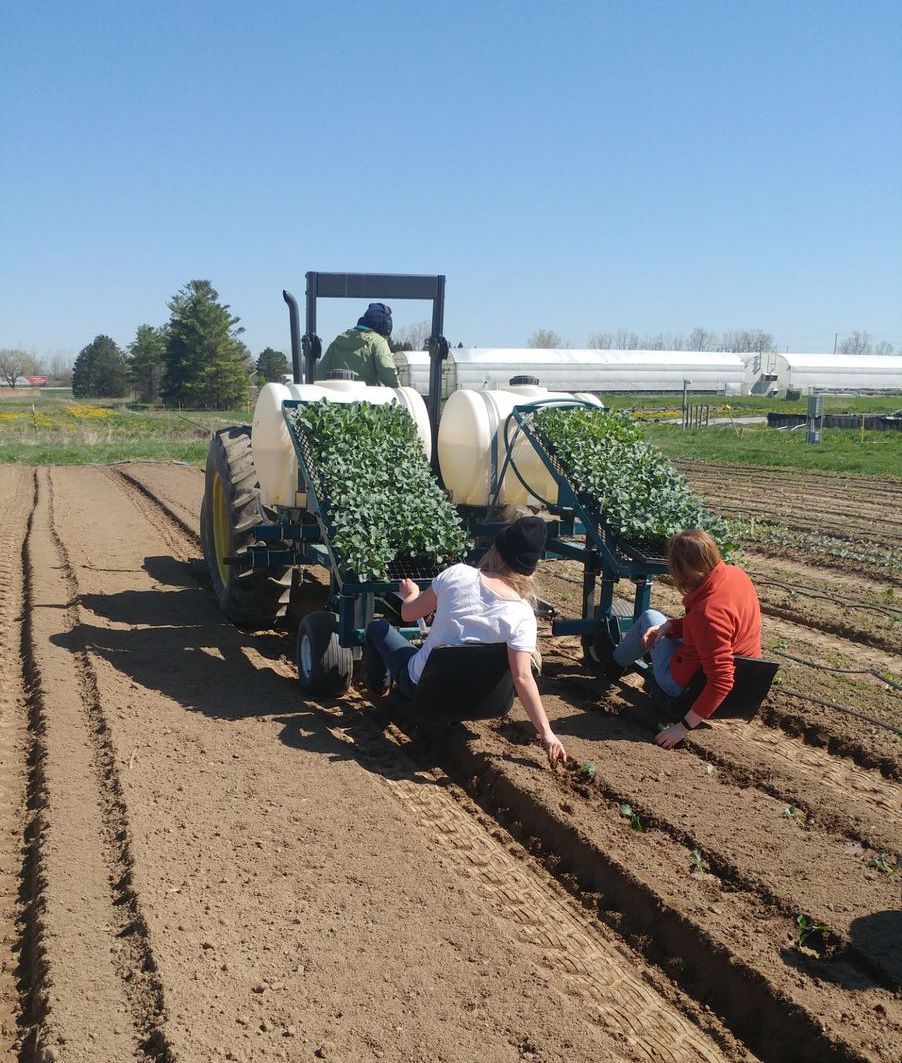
(341, 374)
(532, 381)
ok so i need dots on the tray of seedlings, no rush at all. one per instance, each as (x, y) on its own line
(623, 482)
(382, 512)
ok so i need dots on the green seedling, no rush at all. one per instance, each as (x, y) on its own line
(627, 812)
(806, 927)
(882, 863)
(696, 857)
(586, 771)
(662, 726)
(709, 769)
(794, 813)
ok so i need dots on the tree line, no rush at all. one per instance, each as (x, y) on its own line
(196, 360)
(752, 341)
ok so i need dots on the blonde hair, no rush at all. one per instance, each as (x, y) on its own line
(691, 556)
(493, 564)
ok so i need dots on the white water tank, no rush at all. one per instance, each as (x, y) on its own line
(274, 457)
(471, 421)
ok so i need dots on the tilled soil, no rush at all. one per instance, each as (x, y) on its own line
(214, 869)
(850, 523)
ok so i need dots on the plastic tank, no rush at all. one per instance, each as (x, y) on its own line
(274, 457)
(471, 421)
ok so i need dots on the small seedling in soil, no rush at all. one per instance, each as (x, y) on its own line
(696, 857)
(806, 928)
(793, 812)
(627, 812)
(709, 769)
(662, 726)
(881, 863)
(585, 771)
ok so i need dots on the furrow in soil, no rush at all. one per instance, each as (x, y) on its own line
(17, 492)
(95, 993)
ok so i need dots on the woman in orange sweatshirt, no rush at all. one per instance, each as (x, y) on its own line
(722, 619)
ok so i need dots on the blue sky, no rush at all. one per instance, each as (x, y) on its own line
(575, 166)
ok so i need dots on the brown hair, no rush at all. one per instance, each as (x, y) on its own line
(493, 564)
(691, 556)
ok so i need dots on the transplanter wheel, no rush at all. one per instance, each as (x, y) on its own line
(325, 668)
(228, 516)
(598, 646)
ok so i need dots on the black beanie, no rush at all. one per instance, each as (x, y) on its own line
(377, 318)
(522, 544)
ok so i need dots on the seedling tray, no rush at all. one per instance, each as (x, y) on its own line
(418, 569)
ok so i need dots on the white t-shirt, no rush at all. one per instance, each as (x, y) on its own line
(468, 611)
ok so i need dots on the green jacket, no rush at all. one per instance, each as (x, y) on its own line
(365, 353)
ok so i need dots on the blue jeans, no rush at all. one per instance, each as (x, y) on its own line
(385, 656)
(630, 649)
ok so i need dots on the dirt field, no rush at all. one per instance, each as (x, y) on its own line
(198, 865)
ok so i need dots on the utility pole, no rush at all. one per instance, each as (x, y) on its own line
(835, 338)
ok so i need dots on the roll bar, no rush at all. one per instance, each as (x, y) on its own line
(372, 286)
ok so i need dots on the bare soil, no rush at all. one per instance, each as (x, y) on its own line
(196, 864)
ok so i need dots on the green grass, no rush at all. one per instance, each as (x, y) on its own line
(60, 430)
(750, 405)
(66, 431)
(840, 451)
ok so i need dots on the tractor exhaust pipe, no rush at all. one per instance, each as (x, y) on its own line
(295, 321)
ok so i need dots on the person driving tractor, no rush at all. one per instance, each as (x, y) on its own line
(364, 350)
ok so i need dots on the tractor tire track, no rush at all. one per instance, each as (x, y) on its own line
(162, 517)
(18, 488)
(576, 951)
(89, 952)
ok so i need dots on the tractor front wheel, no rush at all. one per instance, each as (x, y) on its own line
(325, 668)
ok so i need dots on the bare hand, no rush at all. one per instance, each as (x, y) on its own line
(408, 589)
(659, 631)
(555, 750)
(672, 736)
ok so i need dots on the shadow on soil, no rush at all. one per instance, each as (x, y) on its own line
(174, 641)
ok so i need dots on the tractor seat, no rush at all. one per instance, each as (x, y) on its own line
(469, 682)
(751, 684)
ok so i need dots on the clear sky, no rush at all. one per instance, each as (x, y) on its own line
(577, 166)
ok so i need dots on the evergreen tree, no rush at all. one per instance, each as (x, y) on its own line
(207, 365)
(100, 370)
(147, 356)
(272, 365)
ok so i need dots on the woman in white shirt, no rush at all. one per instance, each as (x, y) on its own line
(490, 604)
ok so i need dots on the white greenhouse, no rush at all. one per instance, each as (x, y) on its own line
(481, 368)
(807, 373)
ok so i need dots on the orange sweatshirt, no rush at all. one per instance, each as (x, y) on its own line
(722, 618)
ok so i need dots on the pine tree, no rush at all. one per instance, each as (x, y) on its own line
(100, 370)
(147, 356)
(207, 365)
(272, 365)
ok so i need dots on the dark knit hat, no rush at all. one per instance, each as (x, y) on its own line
(377, 318)
(522, 544)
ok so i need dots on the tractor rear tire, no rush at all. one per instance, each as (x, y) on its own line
(325, 668)
(228, 516)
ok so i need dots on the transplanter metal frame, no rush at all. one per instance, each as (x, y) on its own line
(430, 287)
(603, 554)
